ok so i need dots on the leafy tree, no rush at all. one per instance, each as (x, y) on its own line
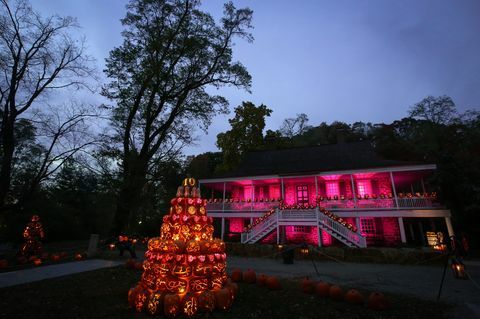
(171, 53)
(246, 133)
(204, 165)
(37, 57)
(295, 126)
(437, 110)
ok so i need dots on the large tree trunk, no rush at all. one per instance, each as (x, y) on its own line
(8, 147)
(130, 195)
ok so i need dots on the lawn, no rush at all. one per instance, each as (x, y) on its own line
(103, 294)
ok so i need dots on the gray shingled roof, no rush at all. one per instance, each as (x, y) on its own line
(313, 159)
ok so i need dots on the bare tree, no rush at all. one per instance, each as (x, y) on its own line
(37, 56)
(295, 126)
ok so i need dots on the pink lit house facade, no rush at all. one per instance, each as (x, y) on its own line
(340, 194)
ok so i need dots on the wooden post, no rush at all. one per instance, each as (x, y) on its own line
(319, 230)
(283, 190)
(448, 221)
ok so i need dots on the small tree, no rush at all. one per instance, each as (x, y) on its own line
(37, 57)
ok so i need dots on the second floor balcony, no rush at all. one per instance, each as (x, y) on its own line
(380, 202)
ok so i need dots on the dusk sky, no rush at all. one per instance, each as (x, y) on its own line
(333, 60)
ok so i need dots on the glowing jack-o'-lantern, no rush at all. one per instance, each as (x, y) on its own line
(190, 305)
(193, 247)
(171, 305)
(206, 301)
(199, 284)
(181, 270)
(155, 303)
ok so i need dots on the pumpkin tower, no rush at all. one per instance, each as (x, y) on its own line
(184, 268)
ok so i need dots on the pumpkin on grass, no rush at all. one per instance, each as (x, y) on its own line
(261, 280)
(354, 297)
(377, 301)
(249, 276)
(336, 293)
(273, 283)
(308, 286)
(237, 275)
(223, 298)
(322, 289)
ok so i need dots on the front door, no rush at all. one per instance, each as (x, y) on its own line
(302, 194)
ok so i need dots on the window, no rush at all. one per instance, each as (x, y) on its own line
(302, 194)
(364, 187)
(301, 229)
(367, 225)
(332, 188)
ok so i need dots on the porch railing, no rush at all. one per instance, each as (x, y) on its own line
(243, 206)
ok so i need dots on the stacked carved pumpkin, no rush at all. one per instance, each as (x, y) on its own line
(184, 268)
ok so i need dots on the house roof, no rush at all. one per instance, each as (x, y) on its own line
(312, 160)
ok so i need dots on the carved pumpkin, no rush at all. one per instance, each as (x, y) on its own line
(249, 276)
(155, 303)
(198, 284)
(55, 257)
(336, 293)
(237, 275)
(171, 305)
(273, 283)
(233, 287)
(206, 301)
(132, 293)
(261, 280)
(377, 301)
(190, 305)
(140, 301)
(308, 286)
(354, 297)
(193, 247)
(37, 261)
(223, 298)
(322, 289)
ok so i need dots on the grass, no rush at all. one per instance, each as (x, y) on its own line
(103, 294)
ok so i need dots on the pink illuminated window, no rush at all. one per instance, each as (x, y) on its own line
(302, 194)
(301, 229)
(364, 187)
(332, 188)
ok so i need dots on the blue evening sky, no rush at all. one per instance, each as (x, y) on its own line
(333, 60)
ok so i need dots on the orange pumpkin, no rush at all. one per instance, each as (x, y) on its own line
(190, 305)
(132, 294)
(322, 289)
(354, 297)
(206, 301)
(377, 301)
(308, 286)
(3, 263)
(141, 299)
(336, 293)
(273, 283)
(155, 303)
(249, 276)
(78, 257)
(261, 280)
(237, 275)
(171, 305)
(223, 298)
(37, 262)
(233, 287)
(55, 257)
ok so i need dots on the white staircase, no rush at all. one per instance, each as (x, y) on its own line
(340, 232)
(261, 230)
(305, 218)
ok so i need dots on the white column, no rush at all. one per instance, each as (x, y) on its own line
(393, 189)
(253, 197)
(359, 228)
(278, 229)
(223, 227)
(353, 191)
(448, 221)
(282, 189)
(319, 230)
(423, 186)
(223, 205)
(402, 230)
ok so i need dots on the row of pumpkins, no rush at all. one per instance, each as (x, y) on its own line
(38, 260)
(375, 301)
